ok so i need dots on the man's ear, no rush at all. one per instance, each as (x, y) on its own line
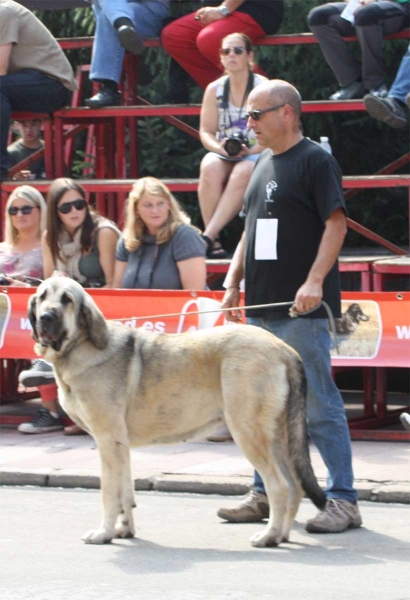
(32, 309)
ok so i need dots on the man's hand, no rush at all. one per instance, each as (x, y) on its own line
(207, 15)
(231, 299)
(308, 296)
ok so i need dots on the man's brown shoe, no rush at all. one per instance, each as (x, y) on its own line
(253, 507)
(337, 516)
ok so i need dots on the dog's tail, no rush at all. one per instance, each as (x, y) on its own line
(298, 437)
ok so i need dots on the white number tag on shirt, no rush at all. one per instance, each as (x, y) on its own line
(266, 239)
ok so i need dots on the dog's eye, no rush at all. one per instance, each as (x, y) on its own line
(43, 296)
(65, 299)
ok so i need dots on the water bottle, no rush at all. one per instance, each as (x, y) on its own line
(324, 143)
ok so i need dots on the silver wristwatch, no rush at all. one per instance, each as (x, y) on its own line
(224, 10)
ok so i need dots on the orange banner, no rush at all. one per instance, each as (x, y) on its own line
(374, 331)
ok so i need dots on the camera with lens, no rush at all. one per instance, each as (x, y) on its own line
(234, 143)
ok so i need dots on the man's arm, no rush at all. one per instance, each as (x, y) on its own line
(311, 292)
(5, 50)
(232, 282)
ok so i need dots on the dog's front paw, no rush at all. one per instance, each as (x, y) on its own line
(98, 536)
(267, 537)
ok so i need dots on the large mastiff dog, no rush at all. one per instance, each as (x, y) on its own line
(132, 388)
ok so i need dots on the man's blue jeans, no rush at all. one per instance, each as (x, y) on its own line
(108, 54)
(327, 423)
(30, 91)
(401, 85)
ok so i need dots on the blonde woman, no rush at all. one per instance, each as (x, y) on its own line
(228, 165)
(20, 253)
(159, 249)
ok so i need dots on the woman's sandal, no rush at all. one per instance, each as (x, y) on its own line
(214, 249)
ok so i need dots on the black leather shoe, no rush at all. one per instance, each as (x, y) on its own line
(354, 90)
(130, 40)
(105, 97)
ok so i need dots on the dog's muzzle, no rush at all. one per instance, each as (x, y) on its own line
(50, 330)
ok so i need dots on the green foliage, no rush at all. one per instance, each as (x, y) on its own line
(360, 144)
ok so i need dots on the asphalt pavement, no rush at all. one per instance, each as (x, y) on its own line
(182, 551)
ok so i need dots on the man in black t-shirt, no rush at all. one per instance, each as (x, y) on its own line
(294, 229)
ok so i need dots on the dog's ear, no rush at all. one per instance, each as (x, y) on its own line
(94, 322)
(32, 309)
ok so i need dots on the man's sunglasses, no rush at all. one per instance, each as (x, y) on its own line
(256, 114)
(25, 210)
(65, 208)
(237, 49)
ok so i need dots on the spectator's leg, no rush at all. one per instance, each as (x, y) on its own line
(372, 23)
(231, 200)
(213, 177)
(401, 85)
(196, 48)
(108, 54)
(28, 90)
(327, 25)
(115, 10)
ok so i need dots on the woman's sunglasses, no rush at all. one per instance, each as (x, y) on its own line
(256, 114)
(237, 49)
(25, 210)
(65, 208)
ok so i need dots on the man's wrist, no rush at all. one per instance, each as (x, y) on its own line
(224, 10)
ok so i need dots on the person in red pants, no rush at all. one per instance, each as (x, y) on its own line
(194, 40)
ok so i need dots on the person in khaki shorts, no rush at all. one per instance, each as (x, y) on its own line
(35, 75)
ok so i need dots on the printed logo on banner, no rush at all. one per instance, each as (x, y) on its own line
(5, 311)
(192, 322)
(359, 330)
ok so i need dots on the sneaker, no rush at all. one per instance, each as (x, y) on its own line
(337, 516)
(387, 110)
(41, 423)
(405, 421)
(380, 92)
(40, 373)
(408, 100)
(253, 507)
(354, 90)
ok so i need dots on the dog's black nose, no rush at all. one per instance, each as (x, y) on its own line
(46, 317)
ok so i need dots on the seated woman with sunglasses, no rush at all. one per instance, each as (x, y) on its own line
(21, 264)
(77, 243)
(159, 249)
(233, 150)
(21, 259)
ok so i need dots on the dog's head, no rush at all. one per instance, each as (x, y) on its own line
(356, 314)
(60, 312)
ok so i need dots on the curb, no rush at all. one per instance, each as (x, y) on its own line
(372, 491)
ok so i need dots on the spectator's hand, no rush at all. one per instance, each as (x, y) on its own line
(308, 296)
(363, 3)
(23, 174)
(231, 299)
(16, 282)
(207, 15)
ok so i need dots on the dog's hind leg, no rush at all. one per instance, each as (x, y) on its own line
(114, 453)
(278, 493)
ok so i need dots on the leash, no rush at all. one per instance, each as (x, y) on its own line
(293, 313)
